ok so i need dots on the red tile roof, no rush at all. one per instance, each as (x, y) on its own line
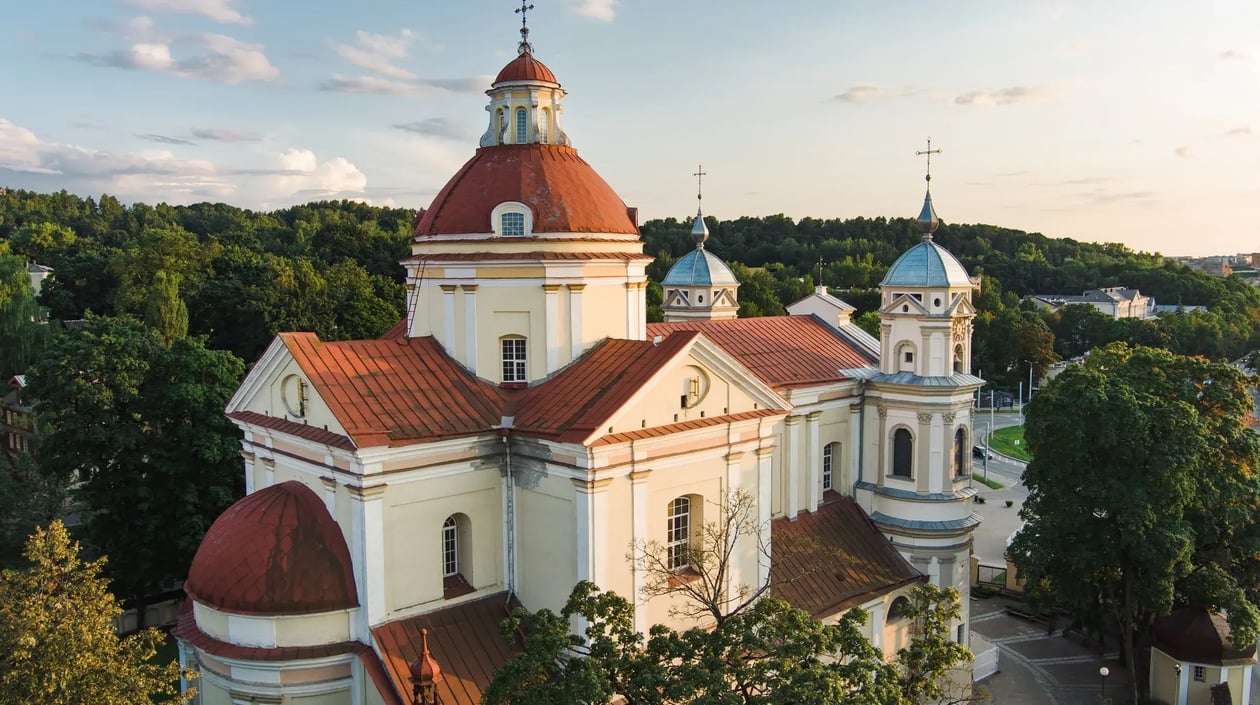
(311, 433)
(563, 191)
(274, 552)
(464, 639)
(834, 559)
(525, 68)
(576, 403)
(392, 392)
(691, 425)
(784, 351)
(398, 330)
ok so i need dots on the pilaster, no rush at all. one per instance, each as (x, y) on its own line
(448, 318)
(639, 537)
(551, 308)
(367, 546)
(793, 504)
(470, 327)
(764, 455)
(815, 461)
(575, 320)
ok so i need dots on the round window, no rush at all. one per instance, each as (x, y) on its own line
(936, 303)
(905, 308)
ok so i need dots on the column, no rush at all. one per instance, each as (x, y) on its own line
(249, 469)
(448, 317)
(793, 457)
(764, 454)
(367, 546)
(884, 451)
(551, 325)
(938, 461)
(470, 327)
(923, 452)
(815, 461)
(575, 320)
(632, 300)
(639, 537)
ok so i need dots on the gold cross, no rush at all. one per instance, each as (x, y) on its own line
(700, 174)
(928, 152)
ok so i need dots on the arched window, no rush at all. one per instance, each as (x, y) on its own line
(514, 360)
(678, 534)
(512, 224)
(897, 611)
(544, 125)
(960, 366)
(450, 547)
(905, 357)
(830, 451)
(902, 453)
(456, 557)
(960, 453)
(522, 126)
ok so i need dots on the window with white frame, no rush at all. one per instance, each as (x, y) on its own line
(522, 126)
(1200, 673)
(514, 369)
(512, 224)
(450, 547)
(678, 536)
(829, 457)
(902, 453)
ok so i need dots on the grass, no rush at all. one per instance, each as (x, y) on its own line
(1010, 441)
(991, 484)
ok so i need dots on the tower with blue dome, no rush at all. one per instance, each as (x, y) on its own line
(700, 286)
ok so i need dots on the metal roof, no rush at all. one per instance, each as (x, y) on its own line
(700, 268)
(927, 264)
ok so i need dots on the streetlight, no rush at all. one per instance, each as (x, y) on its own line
(1102, 686)
(425, 675)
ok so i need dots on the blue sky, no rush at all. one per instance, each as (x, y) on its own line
(1125, 121)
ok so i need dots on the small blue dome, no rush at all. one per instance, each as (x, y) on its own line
(700, 268)
(927, 264)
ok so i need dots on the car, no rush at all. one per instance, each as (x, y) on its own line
(981, 452)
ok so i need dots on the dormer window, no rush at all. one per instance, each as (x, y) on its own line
(512, 219)
(512, 224)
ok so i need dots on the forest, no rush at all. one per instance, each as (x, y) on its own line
(166, 306)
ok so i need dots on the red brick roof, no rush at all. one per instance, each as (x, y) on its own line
(464, 639)
(525, 68)
(311, 433)
(784, 351)
(576, 403)
(274, 552)
(834, 559)
(391, 392)
(563, 191)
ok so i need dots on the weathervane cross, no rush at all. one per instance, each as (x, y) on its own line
(928, 152)
(525, 7)
(700, 174)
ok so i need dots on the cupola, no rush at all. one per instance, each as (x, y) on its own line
(700, 286)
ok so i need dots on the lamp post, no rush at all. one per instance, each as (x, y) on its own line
(1102, 684)
(425, 675)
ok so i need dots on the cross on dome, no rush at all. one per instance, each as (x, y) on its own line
(699, 231)
(928, 222)
(928, 152)
(524, 47)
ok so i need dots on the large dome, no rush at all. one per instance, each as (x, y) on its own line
(927, 264)
(561, 189)
(700, 268)
(526, 68)
(275, 552)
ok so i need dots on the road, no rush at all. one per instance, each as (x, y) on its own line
(1000, 520)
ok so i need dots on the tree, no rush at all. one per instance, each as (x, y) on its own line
(28, 499)
(23, 332)
(1142, 494)
(748, 648)
(57, 640)
(141, 427)
(165, 312)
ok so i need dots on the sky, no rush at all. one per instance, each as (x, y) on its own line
(1124, 121)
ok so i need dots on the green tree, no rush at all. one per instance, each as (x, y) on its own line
(1142, 494)
(165, 312)
(28, 499)
(141, 427)
(57, 640)
(23, 332)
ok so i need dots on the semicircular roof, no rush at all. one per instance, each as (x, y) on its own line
(274, 552)
(700, 268)
(927, 264)
(561, 189)
(526, 68)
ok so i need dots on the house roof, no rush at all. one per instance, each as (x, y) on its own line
(783, 351)
(833, 559)
(1197, 635)
(393, 391)
(574, 404)
(293, 428)
(464, 640)
(562, 191)
(274, 552)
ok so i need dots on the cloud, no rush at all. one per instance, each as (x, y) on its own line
(225, 135)
(1001, 96)
(164, 139)
(1184, 151)
(379, 52)
(135, 28)
(1104, 197)
(436, 127)
(1241, 55)
(209, 57)
(157, 175)
(366, 84)
(602, 10)
(1243, 131)
(859, 93)
(217, 10)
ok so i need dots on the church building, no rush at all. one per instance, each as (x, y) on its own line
(525, 426)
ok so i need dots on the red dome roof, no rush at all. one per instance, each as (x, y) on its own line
(526, 68)
(563, 191)
(275, 552)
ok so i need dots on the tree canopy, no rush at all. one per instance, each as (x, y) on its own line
(1142, 493)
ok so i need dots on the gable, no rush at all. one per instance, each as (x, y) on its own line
(277, 388)
(904, 304)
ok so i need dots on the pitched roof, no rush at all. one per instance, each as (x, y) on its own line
(1195, 634)
(390, 392)
(464, 640)
(293, 428)
(783, 351)
(834, 559)
(562, 191)
(574, 404)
